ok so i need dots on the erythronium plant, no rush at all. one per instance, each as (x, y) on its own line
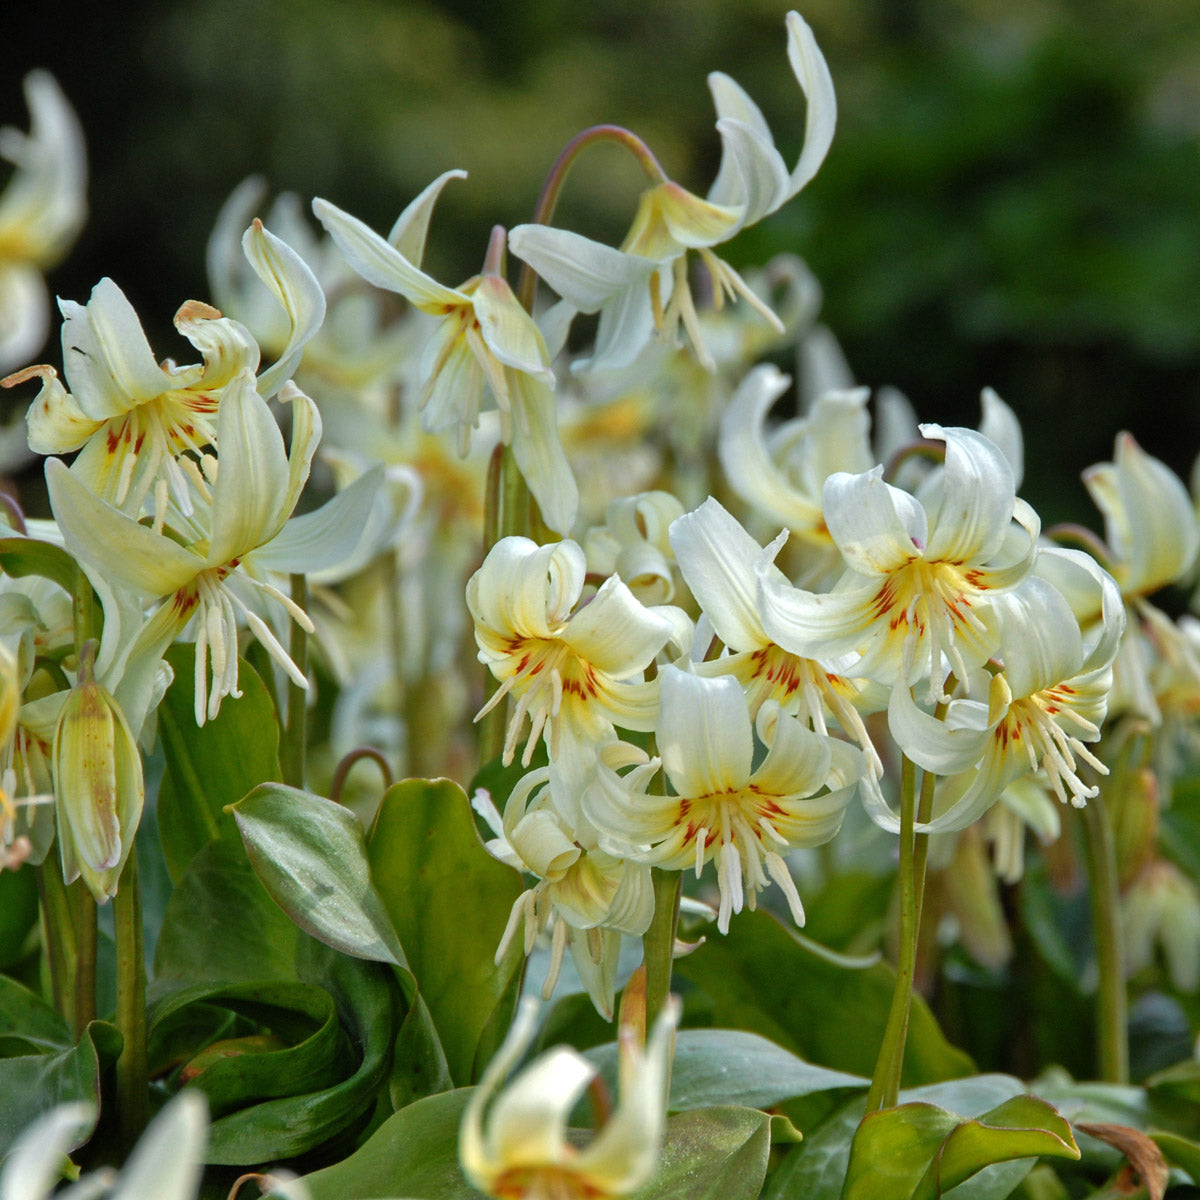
(732, 692)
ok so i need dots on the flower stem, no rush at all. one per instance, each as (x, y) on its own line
(557, 177)
(885, 1083)
(295, 733)
(132, 1072)
(1111, 1012)
(84, 907)
(658, 942)
(58, 935)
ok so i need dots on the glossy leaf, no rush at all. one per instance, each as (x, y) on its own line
(1180, 1152)
(364, 997)
(41, 1065)
(712, 1154)
(763, 979)
(312, 859)
(729, 1066)
(18, 911)
(449, 901)
(212, 765)
(20, 556)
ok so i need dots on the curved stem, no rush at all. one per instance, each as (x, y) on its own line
(1111, 1005)
(557, 177)
(348, 761)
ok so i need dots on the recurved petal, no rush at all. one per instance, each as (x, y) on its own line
(107, 360)
(716, 557)
(812, 73)
(55, 421)
(412, 225)
(168, 1160)
(734, 105)
(798, 759)
(625, 328)
(948, 746)
(704, 733)
(763, 184)
(583, 272)
(878, 528)
(977, 498)
(527, 589)
(999, 424)
(527, 1124)
(616, 632)
(381, 264)
(291, 281)
(1040, 640)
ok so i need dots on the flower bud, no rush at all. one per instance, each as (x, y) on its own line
(98, 788)
(1162, 909)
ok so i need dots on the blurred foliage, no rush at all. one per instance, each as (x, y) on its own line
(1011, 200)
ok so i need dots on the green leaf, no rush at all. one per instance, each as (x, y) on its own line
(312, 859)
(449, 901)
(21, 556)
(414, 1153)
(211, 765)
(763, 979)
(40, 1063)
(221, 926)
(712, 1154)
(921, 1151)
(364, 996)
(1179, 1152)
(729, 1066)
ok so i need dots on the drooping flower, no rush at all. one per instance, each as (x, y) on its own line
(644, 285)
(514, 1142)
(483, 336)
(576, 672)
(134, 419)
(920, 570)
(722, 808)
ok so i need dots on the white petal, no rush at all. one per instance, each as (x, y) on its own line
(615, 632)
(704, 733)
(1000, 425)
(812, 73)
(539, 453)
(168, 1160)
(412, 225)
(508, 331)
(584, 272)
(878, 528)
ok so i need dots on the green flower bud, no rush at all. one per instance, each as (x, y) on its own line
(98, 788)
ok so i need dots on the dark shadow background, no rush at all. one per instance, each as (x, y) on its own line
(1013, 197)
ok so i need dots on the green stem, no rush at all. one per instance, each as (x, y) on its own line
(658, 942)
(1111, 1012)
(295, 733)
(557, 177)
(132, 1071)
(84, 906)
(885, 1083)
(58, 935)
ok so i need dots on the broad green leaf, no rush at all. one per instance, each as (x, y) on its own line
(449, 901)
(414, 1153)
(20, 556)
(729, 1066)
(762, 979)
(712, 1154)
(40, 1063)
(365, 999)
(284, 1040)
(213, 765)
(312, 859)
(419, 1061)
(221, 926)
(18, 911)
(920, 1151)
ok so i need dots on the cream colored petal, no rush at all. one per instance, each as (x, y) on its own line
(381, 264)
(412, 225)
(24, 313)
(704, 733)
(168, 1160)
(56, 423)
(106, 358)
(615, 632)
(34, 1162)
(527, 589)
(812, 73)
(528, 1121)
(292, 283)
(539, 453)
(877, 527)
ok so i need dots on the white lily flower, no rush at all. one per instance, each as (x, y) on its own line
(717, 559)
(484, 335)
(575, 672)
(41, 212)
(514, 1142)
(721, 809)
(135, 418)
(920, 571)
(240, 530)
(633, 544)
(644, 284)
(1049, 700)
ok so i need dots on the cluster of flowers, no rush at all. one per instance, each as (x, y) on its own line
(911, 608)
